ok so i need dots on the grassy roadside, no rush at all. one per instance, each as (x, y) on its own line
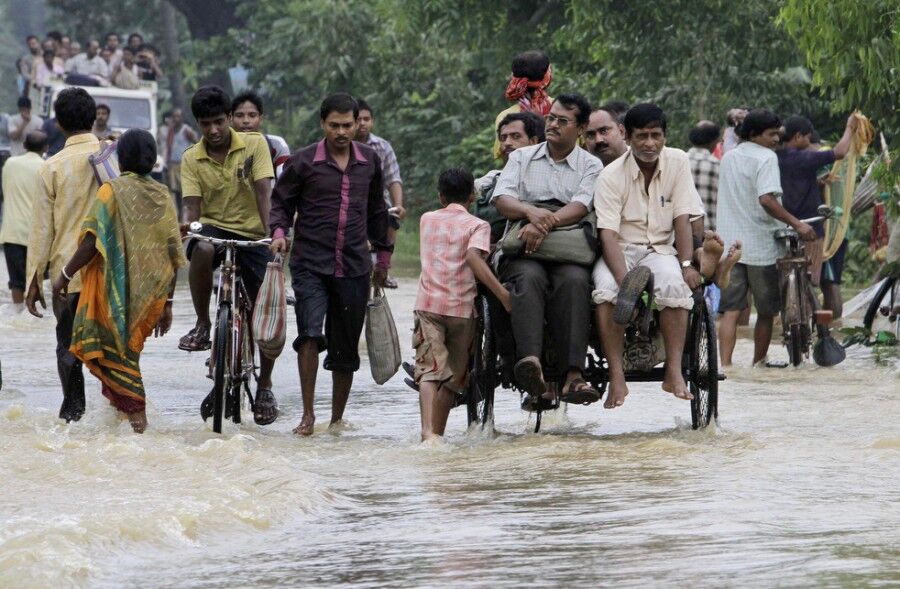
(405, 261)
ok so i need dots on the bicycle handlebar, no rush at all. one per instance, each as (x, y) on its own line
(235, 242)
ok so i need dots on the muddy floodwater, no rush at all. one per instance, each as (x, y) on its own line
(798, 485)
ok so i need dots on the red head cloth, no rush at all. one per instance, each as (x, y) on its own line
(538, 102)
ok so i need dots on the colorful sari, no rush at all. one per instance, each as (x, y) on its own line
(125, 286)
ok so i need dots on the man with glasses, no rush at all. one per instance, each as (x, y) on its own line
(554, 174)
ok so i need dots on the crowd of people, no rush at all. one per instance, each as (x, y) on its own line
(686, 220)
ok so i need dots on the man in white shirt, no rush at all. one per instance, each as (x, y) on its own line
(21, 125)
(89, 63)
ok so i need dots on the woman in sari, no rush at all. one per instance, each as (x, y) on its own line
(128, 254)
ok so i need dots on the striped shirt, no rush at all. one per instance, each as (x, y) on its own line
(447, 284)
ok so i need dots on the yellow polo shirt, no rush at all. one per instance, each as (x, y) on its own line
(228, 200)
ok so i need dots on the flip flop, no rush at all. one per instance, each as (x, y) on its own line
(633, 285)
(580, 395)
(264, 399)
(196, 340)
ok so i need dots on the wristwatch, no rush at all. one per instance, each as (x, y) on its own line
(685, 264)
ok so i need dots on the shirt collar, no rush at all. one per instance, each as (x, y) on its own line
(237, 142)
(635, 171)
(86, 137)
(455, 206)
(543, 151)
(321, 154)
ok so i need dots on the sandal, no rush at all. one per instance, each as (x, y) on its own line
(196, 340)
(265, 404)
(579, 392)
(635, 282)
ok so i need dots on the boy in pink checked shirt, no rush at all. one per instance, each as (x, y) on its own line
(453, 245)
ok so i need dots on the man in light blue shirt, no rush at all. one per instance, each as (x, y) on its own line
(750, 211)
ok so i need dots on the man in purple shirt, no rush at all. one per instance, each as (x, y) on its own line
(335, 188)
(799, 166)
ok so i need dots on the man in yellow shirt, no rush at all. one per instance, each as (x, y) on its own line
(226, 181)
(67, 191)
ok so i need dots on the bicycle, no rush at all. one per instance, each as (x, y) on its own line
(232, 357)
(801, 312)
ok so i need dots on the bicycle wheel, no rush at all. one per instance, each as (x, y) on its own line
(875, 304)
(221, 365)
(483, 377)
(704, 363)
(795, 345)
(243, 364)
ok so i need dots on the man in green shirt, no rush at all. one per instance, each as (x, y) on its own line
(226, 181)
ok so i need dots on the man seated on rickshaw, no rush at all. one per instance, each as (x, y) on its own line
(644, 202)
(554, 172)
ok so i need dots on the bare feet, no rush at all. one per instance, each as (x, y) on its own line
(616, 393)
(713, 246)
(723, 272)
(674, 383)
(138, 421)
(306, 426)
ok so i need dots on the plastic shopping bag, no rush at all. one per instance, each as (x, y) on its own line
(382, 340)
(269, 313)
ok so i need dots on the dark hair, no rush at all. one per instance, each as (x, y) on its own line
(35, 141)
(757, 122)
(210, 101)
(644, 115)
(363, 105)
(534, 124)
(815, 137)
(136, 150)
(339, 103)
(23, 102)
(30, 37)
(75, 110)
(797, 125)
(247, 96)
(149, 47)
(108, 35)
(616, 109)
(128, 49)
(530, 64)
(571, 101)
(456, 184)
(50, 52)
(133, 35)
(703, 135)
(105, 107)
(55, 35)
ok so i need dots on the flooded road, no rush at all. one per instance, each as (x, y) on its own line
(797, 486)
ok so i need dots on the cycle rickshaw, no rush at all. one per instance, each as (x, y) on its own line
(493, 357)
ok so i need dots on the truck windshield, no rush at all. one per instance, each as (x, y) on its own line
(127, 113)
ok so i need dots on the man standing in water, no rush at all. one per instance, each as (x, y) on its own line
(68, 188)
(335, 189)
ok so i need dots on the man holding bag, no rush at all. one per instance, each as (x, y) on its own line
(335, 189)
(547, 186)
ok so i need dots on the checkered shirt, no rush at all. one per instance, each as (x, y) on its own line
(705, 169)
(447, 284)
(390, 169)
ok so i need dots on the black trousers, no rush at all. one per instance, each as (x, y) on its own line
(557, 293)
(69, 367)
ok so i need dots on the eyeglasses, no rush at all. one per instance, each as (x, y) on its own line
(561, 121)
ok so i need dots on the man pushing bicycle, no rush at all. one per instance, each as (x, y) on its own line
(226, 183)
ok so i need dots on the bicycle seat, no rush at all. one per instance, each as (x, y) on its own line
(785, 233)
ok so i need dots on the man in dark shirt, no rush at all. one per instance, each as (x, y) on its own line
(802, 193)
(335, 188)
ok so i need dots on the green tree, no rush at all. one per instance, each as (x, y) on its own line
(853, 50)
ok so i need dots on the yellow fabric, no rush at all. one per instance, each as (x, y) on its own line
(845, 171)
(227, 194)
(67, 191)
(496, 149)
(21, 185)
(126, 285)
(643, 217)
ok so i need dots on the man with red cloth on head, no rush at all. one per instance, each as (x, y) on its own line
(531, 75)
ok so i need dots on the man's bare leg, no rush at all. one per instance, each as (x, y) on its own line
(831, 294)
(762, 336)
(442, 404)
(200, 278)
(673, 324)
(728, 335)
(612, 336)
(340, 392)
(427, 393)
(308, 366)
